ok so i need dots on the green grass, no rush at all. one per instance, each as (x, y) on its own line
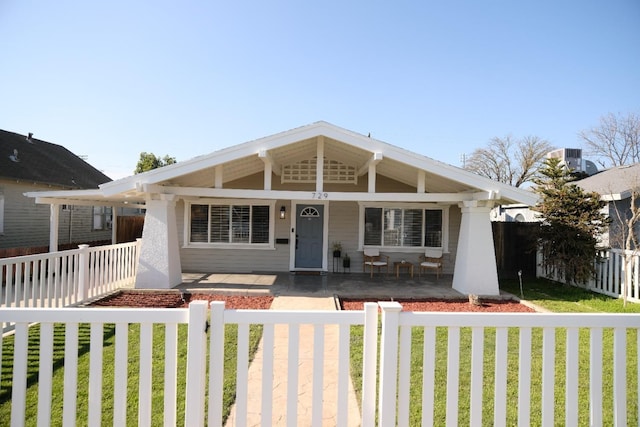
(108, 373)
(554, 297)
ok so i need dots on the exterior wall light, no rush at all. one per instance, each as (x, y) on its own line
(283, 212)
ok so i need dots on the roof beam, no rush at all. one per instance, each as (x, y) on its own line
(230, 193)
(373, 160)
(266, 157)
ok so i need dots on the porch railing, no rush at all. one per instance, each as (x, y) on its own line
(60, 279)
(610, 274)
(474, 344)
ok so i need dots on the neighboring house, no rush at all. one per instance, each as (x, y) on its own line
(28, 164)
(615, 186)
(263, 206)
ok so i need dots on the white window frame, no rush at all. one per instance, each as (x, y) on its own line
(227, 202)
(1, 212)
(417, 249)
(105, 213)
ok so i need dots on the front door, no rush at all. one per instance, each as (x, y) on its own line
(309, 233)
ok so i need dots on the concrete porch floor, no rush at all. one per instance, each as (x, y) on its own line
(345, 285)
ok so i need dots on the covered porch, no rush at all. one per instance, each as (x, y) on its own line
(343, 285)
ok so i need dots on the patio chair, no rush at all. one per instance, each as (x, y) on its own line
(432, 259)
(373, 258)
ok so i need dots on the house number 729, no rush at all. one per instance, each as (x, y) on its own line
(320, 196)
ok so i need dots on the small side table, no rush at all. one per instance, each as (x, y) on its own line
(403, 265)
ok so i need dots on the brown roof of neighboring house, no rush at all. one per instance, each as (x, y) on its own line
(33, 160)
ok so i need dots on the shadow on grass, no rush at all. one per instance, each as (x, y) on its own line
(33, 362)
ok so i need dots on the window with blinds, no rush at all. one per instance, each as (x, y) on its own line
(402, 227)
(232, 224)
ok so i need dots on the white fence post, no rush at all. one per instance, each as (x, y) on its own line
(196, 364)
(83, 282)
(388, 362)
(369, 364)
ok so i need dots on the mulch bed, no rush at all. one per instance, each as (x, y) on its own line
(487, 306)
(155, 299)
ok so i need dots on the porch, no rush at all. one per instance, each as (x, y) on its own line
(345, 285)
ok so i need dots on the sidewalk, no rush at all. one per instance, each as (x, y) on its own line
(305, 373)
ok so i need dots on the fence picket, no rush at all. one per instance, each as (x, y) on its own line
(344, 379)
(216, 362)
(70, 375)
(500, 388)
(144, 385)
(19, 383)
(428, 375)
(548, 375)
(620, 376)
(404, 375)
(477, 362)
(293, 357)
(571, 377)
(170, 372)
(524, 377)
(242, 370)
(453, 375)
(95, 374)
(45, 374)
(318, 375)
(120, 378)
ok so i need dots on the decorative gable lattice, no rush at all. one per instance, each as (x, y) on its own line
(304, 171)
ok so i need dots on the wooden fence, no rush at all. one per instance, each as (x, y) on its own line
(494, 363)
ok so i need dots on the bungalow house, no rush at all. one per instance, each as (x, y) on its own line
(277, 204)
(28, 164)
(615, 186)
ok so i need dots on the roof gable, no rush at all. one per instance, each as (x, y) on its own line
(34, 160)
(339, 145)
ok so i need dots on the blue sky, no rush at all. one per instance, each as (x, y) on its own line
(112, 79)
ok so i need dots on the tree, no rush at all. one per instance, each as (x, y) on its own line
(571, 223)
(616, 141)
(149, 161)
(623, 232)
(508, 160)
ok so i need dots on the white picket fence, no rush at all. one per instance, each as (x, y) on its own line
(517, 340)
(610, 274)
(60, 279)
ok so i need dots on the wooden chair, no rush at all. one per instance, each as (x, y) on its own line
(373, 258)
(432, 259)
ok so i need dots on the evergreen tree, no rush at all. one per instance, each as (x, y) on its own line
(572, 220)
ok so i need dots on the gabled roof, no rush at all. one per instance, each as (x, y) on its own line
(613, 184)
(300, 143)
(36, 161)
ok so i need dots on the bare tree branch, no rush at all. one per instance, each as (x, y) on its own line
(508, 160)
(615, 141)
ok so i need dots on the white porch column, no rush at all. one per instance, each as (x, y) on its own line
(114, 225)
(475, 270)
(54, 223)
(159, 266)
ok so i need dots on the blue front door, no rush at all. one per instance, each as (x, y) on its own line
(309, 232)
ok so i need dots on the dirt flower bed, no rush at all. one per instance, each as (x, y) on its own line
(488, 306)
(154, 299)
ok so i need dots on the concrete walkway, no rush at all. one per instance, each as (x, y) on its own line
(305, 373)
